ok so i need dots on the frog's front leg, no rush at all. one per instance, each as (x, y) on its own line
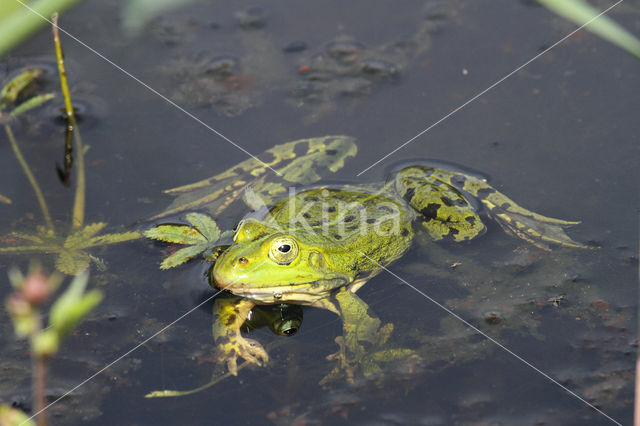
(362, 333)
(230, 314)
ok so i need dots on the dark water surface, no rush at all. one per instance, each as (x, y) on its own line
(560, 137)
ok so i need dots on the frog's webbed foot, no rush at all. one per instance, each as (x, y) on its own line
(249, 349)
(350, 368)
(352, 357)
(345, 368)
(231, 312)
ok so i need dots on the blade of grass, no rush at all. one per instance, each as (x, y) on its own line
(30, 176)
(79, 200)
(580, 12)
(7, 8)
(22, 23)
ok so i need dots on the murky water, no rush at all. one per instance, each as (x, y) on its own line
(560, 137)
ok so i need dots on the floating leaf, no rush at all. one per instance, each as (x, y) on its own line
(78, 237)
(205, 225)
(106, 239)
(178, 234)
(32, 103)
(201, 236)
(14, 88)
(72, 262)
(183, 255)
(72, 255)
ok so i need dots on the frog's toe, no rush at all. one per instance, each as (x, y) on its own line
(253, 352)
(345, 368)
(250, 350)
(232, 365)
(536, 229)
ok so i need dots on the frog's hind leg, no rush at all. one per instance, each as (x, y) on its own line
(445, 210)
(534, 228)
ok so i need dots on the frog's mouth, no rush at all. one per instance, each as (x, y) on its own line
(303, 293)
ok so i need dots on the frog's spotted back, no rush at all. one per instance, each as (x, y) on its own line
(445, 210)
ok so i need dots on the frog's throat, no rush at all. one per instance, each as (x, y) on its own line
(302, 293)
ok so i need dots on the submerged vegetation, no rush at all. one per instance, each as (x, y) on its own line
(33, 292)
(70, 245)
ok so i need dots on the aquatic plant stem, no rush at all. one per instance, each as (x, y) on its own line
(79, 200)
(68, 106)
(30, 176)
(39, 384)
(214, 380)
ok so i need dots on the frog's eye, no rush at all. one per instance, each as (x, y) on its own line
(283, 250)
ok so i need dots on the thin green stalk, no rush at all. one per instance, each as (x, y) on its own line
(68, 106)
(214, 380)
(30, 176)
(79, 200)
(580, 12)
(23, 22)
(4, 199)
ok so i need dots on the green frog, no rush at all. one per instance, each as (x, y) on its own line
(318, 246)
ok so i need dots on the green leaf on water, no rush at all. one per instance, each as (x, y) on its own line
(32, 103)
(14, 88)
(177, 234)
(183, 255)
(205, 225)
(72, 261)
(73, 257)
(199, 237)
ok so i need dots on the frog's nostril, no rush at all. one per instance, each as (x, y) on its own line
(243, 260)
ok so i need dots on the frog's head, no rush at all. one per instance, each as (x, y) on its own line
(269, 266)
